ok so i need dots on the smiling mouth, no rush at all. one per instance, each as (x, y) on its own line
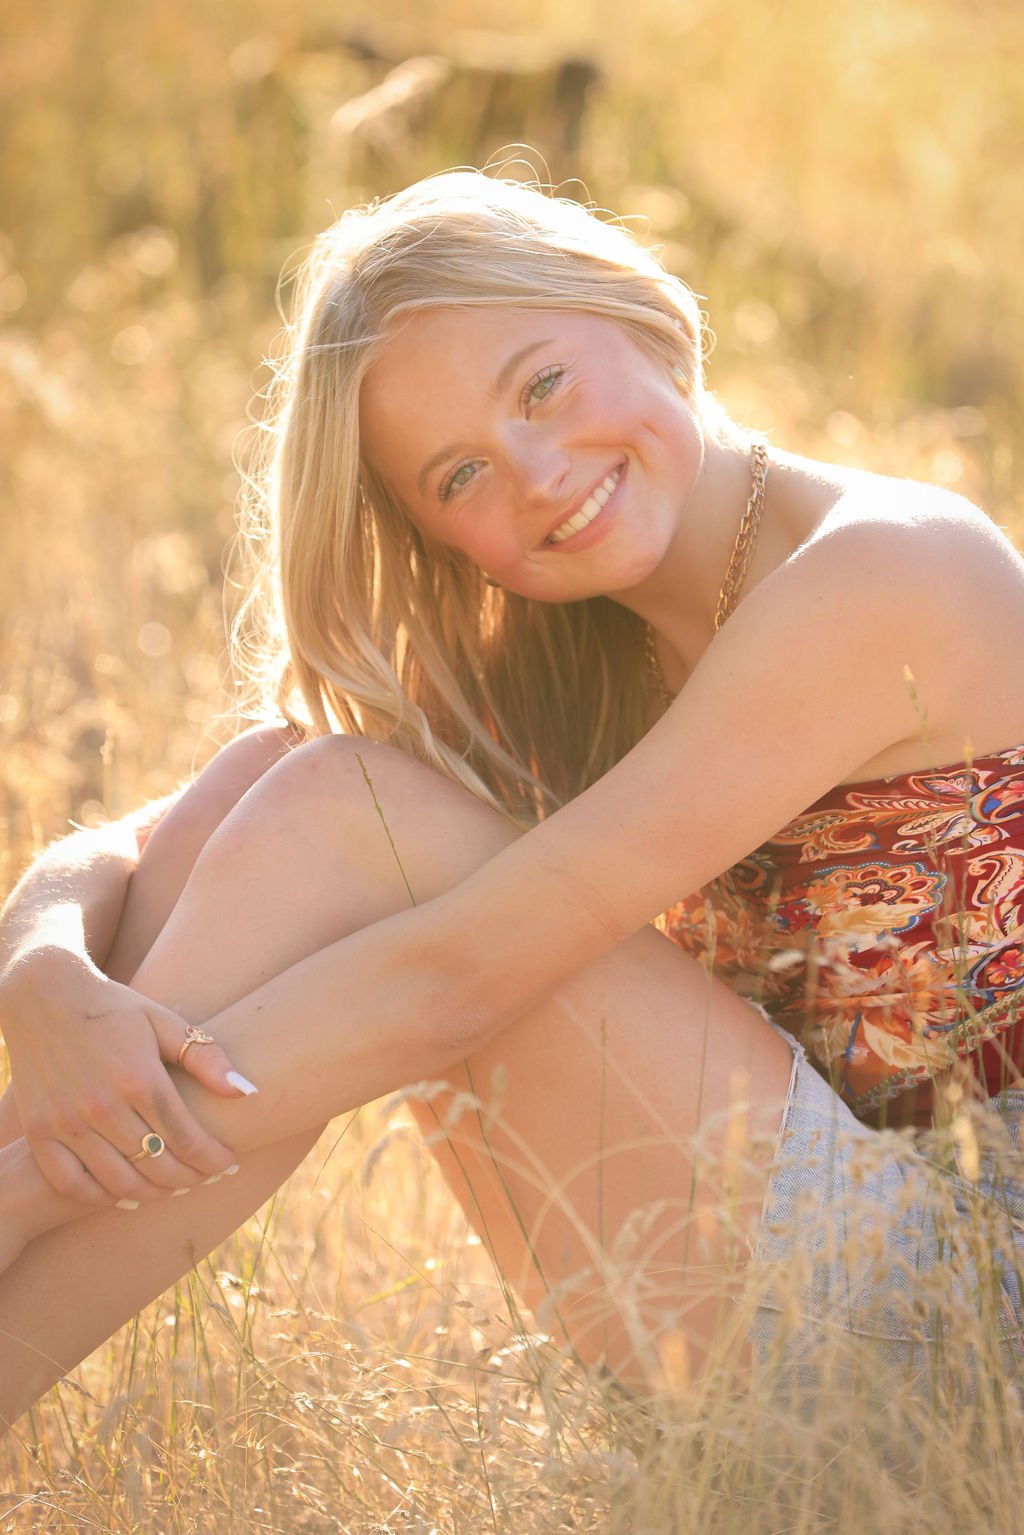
(588, 511)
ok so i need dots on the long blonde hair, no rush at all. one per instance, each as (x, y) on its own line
(354, 622)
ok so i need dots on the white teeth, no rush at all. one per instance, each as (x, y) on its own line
(588, 511)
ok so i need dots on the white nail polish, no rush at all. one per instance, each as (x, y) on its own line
(127, 1204)
(229, 1172)
(175, 1193)
(242, 1083)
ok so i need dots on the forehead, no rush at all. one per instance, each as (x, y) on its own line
(470, 343)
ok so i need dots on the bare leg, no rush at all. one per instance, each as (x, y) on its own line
(10, 1119)
(603, 1082)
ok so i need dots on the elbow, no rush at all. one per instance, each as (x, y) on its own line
(463, 1028)
(460, 1001)
(460, 1014)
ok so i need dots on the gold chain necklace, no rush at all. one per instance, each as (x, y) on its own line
(736, 570)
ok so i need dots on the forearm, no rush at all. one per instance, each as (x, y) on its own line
(288, 946)
(73, 894)
(374, 1012)
(390, 1005)
(291, 946)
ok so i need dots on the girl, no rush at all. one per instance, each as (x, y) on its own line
(592, 652)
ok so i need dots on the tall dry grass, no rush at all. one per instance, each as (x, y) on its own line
(838, 181)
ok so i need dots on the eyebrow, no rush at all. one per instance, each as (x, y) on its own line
(501, 383)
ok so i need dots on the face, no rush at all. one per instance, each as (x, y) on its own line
(545, 445)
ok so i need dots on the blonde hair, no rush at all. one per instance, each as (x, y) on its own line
(354, 622)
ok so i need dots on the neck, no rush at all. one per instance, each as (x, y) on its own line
(680, 597)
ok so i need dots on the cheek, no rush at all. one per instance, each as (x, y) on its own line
(472, 534)
(656, 420)
(490, 548)
(676, 436)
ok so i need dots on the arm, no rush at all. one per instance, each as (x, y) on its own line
(804, 684)
(60, 926)
(72, 895)
(766, 723)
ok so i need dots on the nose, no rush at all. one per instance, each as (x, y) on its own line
(540, 466)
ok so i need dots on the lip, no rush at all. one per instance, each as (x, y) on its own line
(584, 536)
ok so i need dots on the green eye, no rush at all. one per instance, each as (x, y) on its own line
(545, 384)
(458, 479)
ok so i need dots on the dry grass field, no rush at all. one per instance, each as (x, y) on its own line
(840, 181)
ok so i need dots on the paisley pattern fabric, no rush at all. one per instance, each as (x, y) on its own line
(884, 927)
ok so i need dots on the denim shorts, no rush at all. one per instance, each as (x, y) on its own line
(890, 1256)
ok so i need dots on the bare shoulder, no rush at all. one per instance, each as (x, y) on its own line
(880, 513)
(804, 687)
(882, 536)
(951, 584)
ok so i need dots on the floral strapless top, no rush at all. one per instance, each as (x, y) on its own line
(885, 928)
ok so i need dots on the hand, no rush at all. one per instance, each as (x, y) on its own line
(89, 1077)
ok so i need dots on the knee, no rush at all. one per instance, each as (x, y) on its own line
(364, 801)
(180, 836)
(341, 771)
(337, 780)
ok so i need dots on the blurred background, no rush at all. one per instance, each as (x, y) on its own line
(838, 178)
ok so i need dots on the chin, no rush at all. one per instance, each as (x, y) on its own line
(628, 574)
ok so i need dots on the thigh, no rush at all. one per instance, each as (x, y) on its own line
(577, 1168)
(569, 1139)
(572, 1154)
(611, 1147)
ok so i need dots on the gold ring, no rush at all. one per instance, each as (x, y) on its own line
(194, 1036)
(152, 1146)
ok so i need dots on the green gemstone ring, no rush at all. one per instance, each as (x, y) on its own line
(152, 1146)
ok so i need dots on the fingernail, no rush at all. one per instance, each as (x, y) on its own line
(215, 1179)
(127, 1204)
(242, 1083)
(176, 1192)
(229, 1172)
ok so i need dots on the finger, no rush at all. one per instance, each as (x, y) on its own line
(137, 1178)
(165, 1172)
(186, 1138)
(151, 1103)
(105, 1157)
(111, 1169)
(109, 1143)
(109, 1139)
(64, 1171)
(203, 1059)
